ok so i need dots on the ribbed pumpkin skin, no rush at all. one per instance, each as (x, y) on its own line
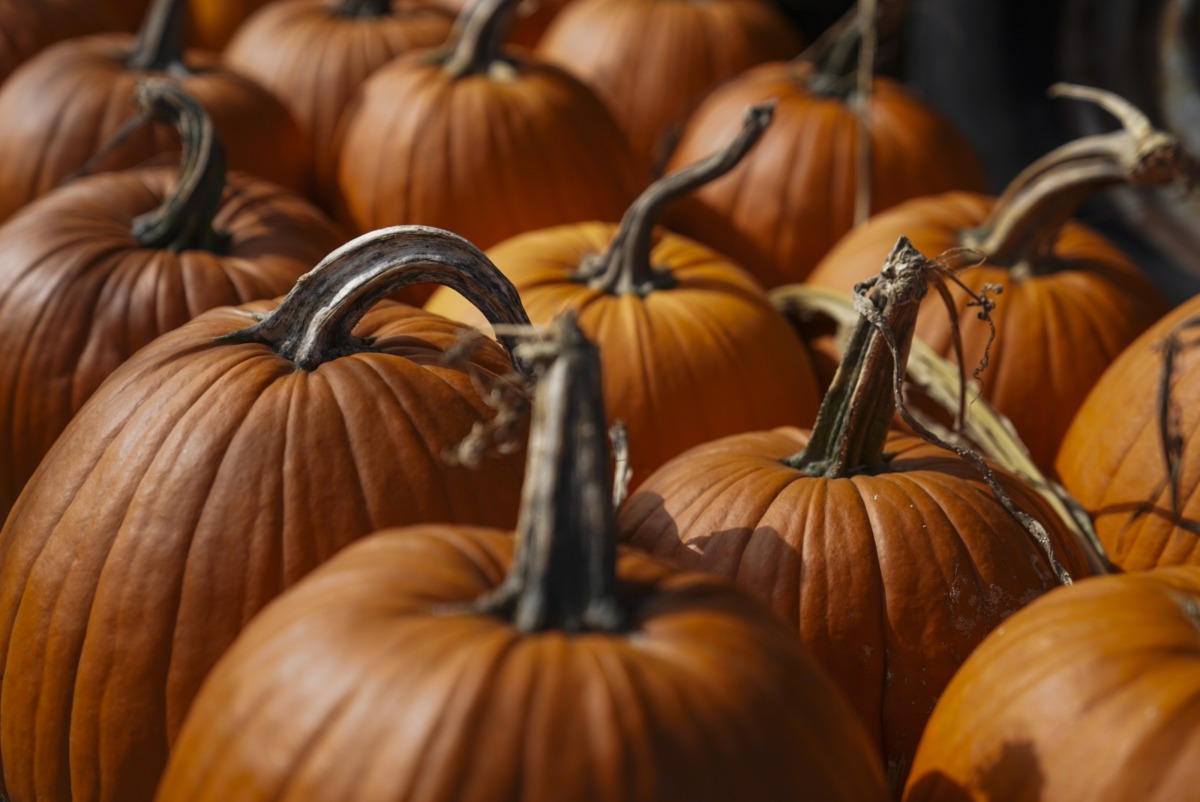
(487, 158)
(1089, 694)
(79, 294)
(27, 26)
(890, 579)
(781, 210)
(66, 103)
(652, 61)
(314, 60)
(1056, 333)
(200, 481)
(684, 365)
(355, 687)
(1111, 459)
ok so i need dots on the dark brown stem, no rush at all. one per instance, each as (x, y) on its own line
(625, 267)
(159, 46)
(1026, 220)
(478, 37)
(857, 410)
(185, 220)
(314, 322)
(563, 575)
(363, 9)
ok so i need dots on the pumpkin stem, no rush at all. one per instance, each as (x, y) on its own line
(625, 267)
(1025, 221)
(478, 37)
(159, 46)
(314, 323)
(363, 9)
(563, 575)
(185, 219)
(857, 410)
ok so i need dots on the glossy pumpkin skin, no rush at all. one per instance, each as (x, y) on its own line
(79, 294)
(890, 578)
(653, 61)
(198, 482)
(781, 210)
(69, 101)
(1112, 461)
(683, 365)
(314, 60)
(1088, 694)
(1056, 333)
(369, 687)
(486, 156)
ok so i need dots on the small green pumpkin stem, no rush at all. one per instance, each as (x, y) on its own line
(1025, 221)
(478, 37)
(159, 46)
(858, 408)
(563, 575)
(185, 219)
(363, 9)
(314, 323)
(625, 267)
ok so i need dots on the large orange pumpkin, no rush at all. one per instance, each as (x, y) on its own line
(890, 556)
(1090, 694)
(482, 141)
(314, 54)
(72, 98)
(216, 467)
(444, 663)
(27, 26)
(692, 348)
(94, 270)
(652, 61)
(1071, 301)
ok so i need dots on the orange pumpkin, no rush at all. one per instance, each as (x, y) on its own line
(692, 348)
(1087, 695)
(26, 27)
(1071, 301)
(892, 557)
(447, 663)
(215, 468)
(314, 54)
(482, 141)
(94, 270)
(73, 97)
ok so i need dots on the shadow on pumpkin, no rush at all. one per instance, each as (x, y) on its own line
(1014, 775)
(1134, 511)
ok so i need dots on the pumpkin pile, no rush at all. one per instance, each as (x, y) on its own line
(635, 400)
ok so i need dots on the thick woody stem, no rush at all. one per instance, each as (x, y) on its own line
(563, 575)
(314, 323)
(625, 267)
(857, 410)
(478, 37)
(159, 46)
(185, 220)
(1026, 220)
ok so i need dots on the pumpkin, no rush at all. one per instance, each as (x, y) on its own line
(782, 210)
(1090, 693)
(213, 469)
(1118, 459)
(692, 348)
(26, 27)
(530, 18)
(75, 96)
(1071, 300)
(452, 663)
(314, 54)
(891, 556)
(212, 23)
(483, 141)
(652, 61)
(94, 270)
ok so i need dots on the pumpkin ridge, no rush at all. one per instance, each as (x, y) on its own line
(877, 729)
